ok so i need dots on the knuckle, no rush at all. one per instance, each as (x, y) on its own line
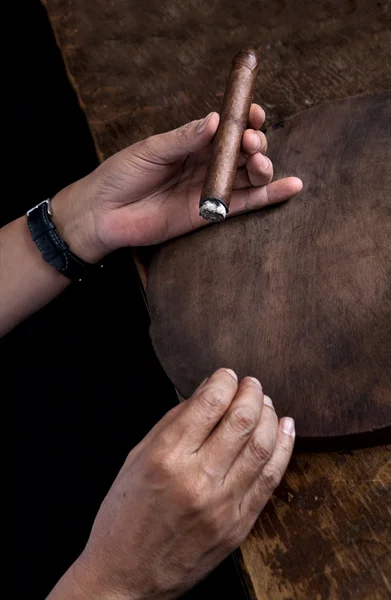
(246, 200)
(146, 147)
(162, 464)
(172, 412)
(272, 420)
(242, 419)
(259, 450)
(182, 134)
(271, 478)
(213, 398)
(263, 142)
(194, 495)
(165, 445)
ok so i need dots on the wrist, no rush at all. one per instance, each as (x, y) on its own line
(75, 222)
(81, 582)
(93, 584)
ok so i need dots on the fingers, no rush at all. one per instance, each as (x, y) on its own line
(192, 137)
(272, 473)
(260, 169)
(169, 419)
(206, 408)
(254, 141)
(175, 145)
(258, 450)
(256, 116)
(241, 180)
(253, 198)
(222, 447)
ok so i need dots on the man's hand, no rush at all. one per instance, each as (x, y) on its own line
(145, 194)
(186, 496)
(149, 192)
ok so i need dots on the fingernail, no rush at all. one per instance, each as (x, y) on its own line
(266, 162)
(256, 381)
(288, 426)
(268, 401)
(256, 142)
(202, 124)
(232, 373)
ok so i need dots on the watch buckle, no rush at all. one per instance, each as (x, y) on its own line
(48, 207)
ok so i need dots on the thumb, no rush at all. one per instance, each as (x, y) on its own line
(178, 143)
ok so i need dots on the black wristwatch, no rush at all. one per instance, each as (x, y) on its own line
(53, 248)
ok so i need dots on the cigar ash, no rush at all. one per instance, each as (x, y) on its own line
(213, 210)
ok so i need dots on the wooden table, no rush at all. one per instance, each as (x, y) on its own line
(144, 67)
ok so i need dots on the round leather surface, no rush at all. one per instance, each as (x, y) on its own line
(298, 295)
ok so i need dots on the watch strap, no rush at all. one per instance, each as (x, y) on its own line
(52, 247)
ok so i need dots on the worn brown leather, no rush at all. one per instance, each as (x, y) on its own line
(298, 295)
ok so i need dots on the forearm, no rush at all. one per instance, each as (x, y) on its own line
(70, 588)
(27, 282)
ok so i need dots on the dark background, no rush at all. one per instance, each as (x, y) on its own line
(80, 374)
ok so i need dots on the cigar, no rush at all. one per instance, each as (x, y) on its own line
(223, 162)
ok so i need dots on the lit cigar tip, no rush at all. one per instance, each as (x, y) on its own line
(247, 57)
(213, 210)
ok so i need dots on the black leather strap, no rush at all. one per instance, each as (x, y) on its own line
(53, 248)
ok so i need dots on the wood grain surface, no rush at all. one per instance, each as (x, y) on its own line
(141, 68)
(326, 533)
(145, 67)
(298, 295)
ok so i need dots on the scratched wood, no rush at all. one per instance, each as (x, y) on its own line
(144, 67)
(326, 534)
(141, 68)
